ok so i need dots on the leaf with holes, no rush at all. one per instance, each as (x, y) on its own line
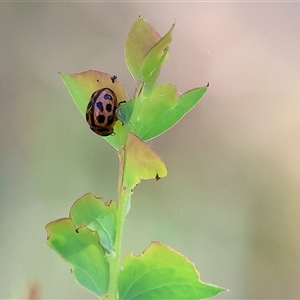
(141, 163)
(80, 248)
(98, 216)
(161, 273)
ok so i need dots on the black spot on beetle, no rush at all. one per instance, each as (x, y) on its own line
(110, 120)
(108, 97)
(108, 107)
(100, 119)
(99, 105)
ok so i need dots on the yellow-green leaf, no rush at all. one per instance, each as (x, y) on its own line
(141, 38)
(162, 273)
(80, 248)
(154, 59)
(82, 85)
(141, 163)
(92, 212)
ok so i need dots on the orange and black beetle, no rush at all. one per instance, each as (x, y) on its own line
(101, 111)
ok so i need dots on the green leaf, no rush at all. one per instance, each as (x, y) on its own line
(166, 108)
(98, 216)
(161, 273)
(141, 163)
(82, 85)
(82, 250)
(154, 59)
(141, 38)
(124, 112)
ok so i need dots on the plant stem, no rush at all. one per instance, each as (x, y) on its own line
(115, 261)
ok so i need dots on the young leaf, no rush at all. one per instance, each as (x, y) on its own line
(161, 273)
(166, 108)
(82, 85)
(82, 250)
(154, 59)
(98, 216)
(141, 38)
(141, 163)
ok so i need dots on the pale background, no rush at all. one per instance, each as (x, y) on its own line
(231, 201)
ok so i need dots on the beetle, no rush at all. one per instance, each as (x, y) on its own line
(101, 111)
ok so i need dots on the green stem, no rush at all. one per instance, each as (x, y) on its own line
(115, 261)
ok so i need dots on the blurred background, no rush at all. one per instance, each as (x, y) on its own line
(231, 201)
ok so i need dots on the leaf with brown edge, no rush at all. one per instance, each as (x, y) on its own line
(80, 248)
(162, 273)
(141, 163)
(82, 85)
(94, 213)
